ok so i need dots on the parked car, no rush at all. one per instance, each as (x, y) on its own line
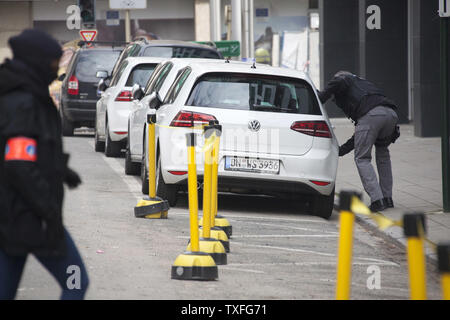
(276, 140)
(167, 49)
(114, 106)
(79, 86)
(160, 82)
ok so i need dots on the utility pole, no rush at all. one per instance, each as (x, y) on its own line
(444, 12)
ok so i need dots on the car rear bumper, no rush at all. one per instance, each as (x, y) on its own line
(296, 175)
(77, 110)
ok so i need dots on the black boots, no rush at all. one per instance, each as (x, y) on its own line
(378, 205)
(381, 204)
(388, 202)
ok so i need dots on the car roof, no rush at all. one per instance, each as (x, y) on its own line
(101, 49)
(140, 60)
(200, 67)
(180, 43)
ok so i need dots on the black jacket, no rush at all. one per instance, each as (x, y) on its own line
(31, 193)
(356, 97)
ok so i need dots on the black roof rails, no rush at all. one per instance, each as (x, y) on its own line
(113, 44)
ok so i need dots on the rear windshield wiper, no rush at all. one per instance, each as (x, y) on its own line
(272, 108)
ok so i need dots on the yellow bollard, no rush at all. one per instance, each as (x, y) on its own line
(344, 266)
(194, 264)
(443, 252)
(192, 193)
(414, 229)
(152, 207)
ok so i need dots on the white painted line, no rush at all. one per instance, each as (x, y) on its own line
(292, 227)
(240, 269)
(286, 236)
(374, 261)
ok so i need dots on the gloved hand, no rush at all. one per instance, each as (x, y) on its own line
(72, 179)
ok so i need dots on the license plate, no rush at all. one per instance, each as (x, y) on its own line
(252, 165)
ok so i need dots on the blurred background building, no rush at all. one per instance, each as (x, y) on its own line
(394, 43)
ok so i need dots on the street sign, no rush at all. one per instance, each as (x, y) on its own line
(444, 8)
(112, 18)
(228, 48)
(127, 4)
(88, 35)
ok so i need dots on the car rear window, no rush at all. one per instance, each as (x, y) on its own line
(90, 61)
(254, 92)
(180, 52)
(140, 74)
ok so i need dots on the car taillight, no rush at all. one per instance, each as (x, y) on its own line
(190, 119)
(320, 183)
(125, 95)
(178, 173)
(72, 86)
(312, 128)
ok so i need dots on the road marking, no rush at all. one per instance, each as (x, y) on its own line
(227, 267)
(374, 261)
(286, 236)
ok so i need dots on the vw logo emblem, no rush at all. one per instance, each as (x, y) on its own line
(254, 125)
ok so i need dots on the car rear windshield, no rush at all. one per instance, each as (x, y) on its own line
(254, 92)
(140, 75)
(180, 52)
(90, 61)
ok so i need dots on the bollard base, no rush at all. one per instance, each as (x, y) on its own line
(224, 224)
(221, 223)
(152, 208)
(195, 266)
(219, 234)
(214, 248)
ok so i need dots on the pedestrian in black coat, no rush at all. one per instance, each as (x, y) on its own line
(33, 168)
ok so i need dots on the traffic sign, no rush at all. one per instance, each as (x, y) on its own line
(88, 35)
(127, 4)
(228, 48)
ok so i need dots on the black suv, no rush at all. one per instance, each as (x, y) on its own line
(167, 49)
(79, 87)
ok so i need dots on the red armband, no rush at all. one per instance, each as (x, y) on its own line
(21, 149)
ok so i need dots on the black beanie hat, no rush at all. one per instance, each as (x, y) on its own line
(36, 49)
(33, 45)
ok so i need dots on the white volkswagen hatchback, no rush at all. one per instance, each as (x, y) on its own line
(276, 137)
(114, 106)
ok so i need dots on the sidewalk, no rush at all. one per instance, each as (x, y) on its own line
(416, 167)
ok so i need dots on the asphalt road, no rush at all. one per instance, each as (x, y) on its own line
(277, 250)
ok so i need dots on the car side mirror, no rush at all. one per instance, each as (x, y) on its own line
(103, 74)
(137, 92)
(61, 77)
(155, 101)
(102, 86)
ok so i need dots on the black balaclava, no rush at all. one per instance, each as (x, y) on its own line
(37, 50)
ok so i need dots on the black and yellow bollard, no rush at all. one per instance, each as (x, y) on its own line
(210, 198)
(208, 244)
(344, 266)
(443, 252)
(216, 220)
(151, 207)
(414, 229)
(194, 264)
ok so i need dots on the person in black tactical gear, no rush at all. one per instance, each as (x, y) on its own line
(33, 169)
(375, 117)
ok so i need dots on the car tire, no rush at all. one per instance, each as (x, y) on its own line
(131, 168)
(99, 146)
(112, 148)
(67, 126)
(322, 206)
(165, 191)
